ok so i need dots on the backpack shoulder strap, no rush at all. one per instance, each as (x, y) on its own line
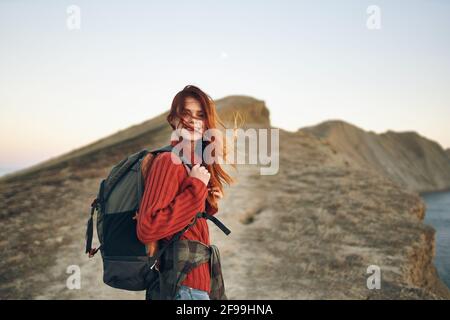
(169, 148)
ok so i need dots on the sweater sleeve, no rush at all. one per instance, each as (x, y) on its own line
(170, 200)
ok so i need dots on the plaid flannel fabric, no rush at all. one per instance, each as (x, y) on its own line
(178, 260)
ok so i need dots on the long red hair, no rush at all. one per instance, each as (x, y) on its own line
(212, 121)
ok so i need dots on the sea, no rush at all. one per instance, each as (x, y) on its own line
(438, 216)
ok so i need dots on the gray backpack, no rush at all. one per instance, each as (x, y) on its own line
(125, 261)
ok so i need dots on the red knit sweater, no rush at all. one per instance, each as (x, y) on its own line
(170, 201)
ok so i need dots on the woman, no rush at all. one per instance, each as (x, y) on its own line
(175, 193)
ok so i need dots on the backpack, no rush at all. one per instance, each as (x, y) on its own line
(126, 264)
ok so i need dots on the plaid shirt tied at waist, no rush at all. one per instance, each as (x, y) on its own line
(178, 260)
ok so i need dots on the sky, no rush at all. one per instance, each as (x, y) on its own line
(64, 86)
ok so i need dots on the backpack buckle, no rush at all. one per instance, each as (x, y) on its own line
(92, 252)
(94, 203)
(154, 265)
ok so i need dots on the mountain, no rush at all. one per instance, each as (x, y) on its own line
(107, 150)
(411, 160)
(309, 232)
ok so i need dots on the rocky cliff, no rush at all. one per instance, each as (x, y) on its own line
(413, 161)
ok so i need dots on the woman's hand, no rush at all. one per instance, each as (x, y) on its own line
(200, 173)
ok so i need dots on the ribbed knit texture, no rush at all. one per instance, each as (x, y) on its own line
(170, 201)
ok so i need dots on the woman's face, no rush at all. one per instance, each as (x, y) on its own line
(194, 116)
